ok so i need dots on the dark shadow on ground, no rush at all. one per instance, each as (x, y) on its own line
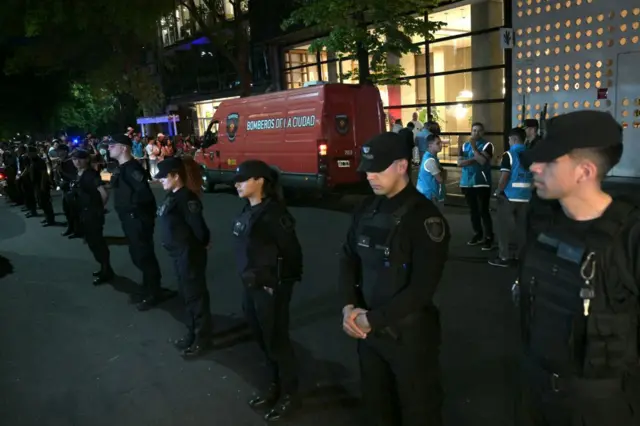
(113, 240)
(6, 268)
(322, 382)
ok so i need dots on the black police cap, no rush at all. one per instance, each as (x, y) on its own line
(167, 166)
(80, 154)
(121, 139)
(255, 169)
(381, 151)
(575, 130)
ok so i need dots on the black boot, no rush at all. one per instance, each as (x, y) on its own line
(198, 348)
(285, 407)
(67, 233)
(267, 399)
(104, 276)
(184, 342)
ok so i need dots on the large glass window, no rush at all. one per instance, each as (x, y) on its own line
(456, 79)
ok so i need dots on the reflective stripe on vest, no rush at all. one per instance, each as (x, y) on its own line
(519, 187)
(427, 184)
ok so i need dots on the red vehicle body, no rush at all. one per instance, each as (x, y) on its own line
(312, 135)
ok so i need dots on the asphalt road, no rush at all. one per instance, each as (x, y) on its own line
(75, 355)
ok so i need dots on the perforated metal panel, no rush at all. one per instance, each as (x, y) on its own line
(567, 54)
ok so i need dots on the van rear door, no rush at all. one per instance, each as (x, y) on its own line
(339, 119)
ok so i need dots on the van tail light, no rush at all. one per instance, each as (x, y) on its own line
(322, 148)
(2, 176)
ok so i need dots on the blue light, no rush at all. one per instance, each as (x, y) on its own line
(75, 141)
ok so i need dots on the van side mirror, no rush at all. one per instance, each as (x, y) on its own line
(210, 135)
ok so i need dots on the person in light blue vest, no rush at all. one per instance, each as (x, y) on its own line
(513, 193)
(421, 141)
(474, 158)
(432, 177)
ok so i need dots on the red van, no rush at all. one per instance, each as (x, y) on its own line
(312, 135)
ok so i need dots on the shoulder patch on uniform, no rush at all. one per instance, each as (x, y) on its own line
(287, 222)
(193, 206)
(137, 175)
(435, 228)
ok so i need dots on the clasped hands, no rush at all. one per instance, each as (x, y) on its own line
(355, 322)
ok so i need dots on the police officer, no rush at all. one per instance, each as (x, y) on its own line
(136, 207)
(41, 180)
(269, 262)
(390, 267)
(26, 182)
(578, 282)
(185, 236)
(68, 174)
(91, 199)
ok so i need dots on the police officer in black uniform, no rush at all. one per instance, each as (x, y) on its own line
(185, 236)
(269, 262)
(26, 183)
(579, 282)
(42, 187)
(91, 200)
(68, 174)
(390, 267)
(136, 207)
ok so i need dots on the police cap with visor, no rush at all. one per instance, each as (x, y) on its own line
(121, 140)
(80, 154)
(255, 169)
(167, 166)
(576, 130)
(381, 151)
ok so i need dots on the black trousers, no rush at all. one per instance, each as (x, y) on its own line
(268, 318)
(400, 376)
(44, 200)
(71, 212)
(190, 266)
(579, 402)
(478, 200)
(29, 194)
(92, 225)
(139, 233)
(14, 192)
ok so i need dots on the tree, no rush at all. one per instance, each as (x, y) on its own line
(97, 42)
(368, 29)
(227, 32)
(86, 109)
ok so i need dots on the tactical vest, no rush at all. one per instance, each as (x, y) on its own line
(256, 261)
(427, 183)
(579, 300)
(385, 268)
(519, 187)
(475, 174)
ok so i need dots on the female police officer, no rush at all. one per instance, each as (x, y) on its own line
(269, 260)
(185, 235)
(91, 198)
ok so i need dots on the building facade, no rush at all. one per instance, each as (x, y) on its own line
(459, 77)
(580, 54)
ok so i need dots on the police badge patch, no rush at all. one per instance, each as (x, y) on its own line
(435, 228)
(137, 175)
(233, 121)
(287, 222)
(194, 206)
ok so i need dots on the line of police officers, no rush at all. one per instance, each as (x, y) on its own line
(577, 286)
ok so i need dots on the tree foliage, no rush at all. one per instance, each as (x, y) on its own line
(97, 42)
(227, 31)
(368, 29)
(86, 109)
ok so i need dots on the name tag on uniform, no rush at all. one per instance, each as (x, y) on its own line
(364, 241)
(571, 253)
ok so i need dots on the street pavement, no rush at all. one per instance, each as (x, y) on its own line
(75, 355)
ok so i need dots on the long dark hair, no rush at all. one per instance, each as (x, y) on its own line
(271, 188)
